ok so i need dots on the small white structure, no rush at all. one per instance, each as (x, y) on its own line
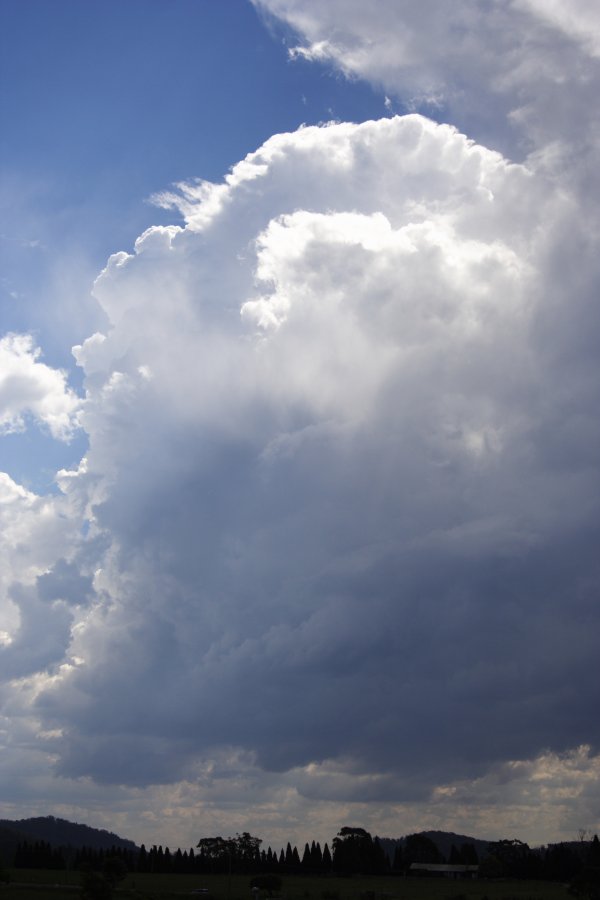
(445, 869)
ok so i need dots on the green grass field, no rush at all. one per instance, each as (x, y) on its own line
(37, 885)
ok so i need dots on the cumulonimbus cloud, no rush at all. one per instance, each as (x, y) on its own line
(341, 490)
(324, 472)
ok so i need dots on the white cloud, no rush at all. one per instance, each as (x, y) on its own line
(30, 387)
(512, 74)
(35, 534)
(333, 536)
(338, 483)
(577, 18)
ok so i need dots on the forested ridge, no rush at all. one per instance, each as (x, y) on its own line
(61, 832)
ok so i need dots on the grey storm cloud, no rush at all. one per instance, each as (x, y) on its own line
(65, 582)
(339, 512)
(355, 521)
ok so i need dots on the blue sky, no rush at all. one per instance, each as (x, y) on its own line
(298, 399)
(93, 128)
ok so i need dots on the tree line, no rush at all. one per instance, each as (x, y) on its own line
(353, 851)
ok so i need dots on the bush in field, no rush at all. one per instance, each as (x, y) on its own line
(268, 883)
(491, 867)
(94, 886)
(114, 870)
(102, 885)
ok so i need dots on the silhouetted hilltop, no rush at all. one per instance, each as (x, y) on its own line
(443, 840)
(57, 833)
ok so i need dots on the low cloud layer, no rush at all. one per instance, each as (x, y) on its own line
(337, 525)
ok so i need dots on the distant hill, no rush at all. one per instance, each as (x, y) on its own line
(57, 833)
(443, 841)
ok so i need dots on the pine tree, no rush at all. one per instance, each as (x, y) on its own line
(398, 861)
(306, 860)
(316, 856)
(593, 856)
(381, 863)
(289, 859)
(142, 860)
